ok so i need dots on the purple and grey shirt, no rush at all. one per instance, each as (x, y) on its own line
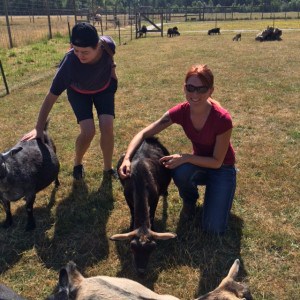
(83, 78)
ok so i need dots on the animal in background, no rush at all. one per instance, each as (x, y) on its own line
(26, 169)
(73, 285)
(214, 31)
(237, 37)
(173, 32)
(143, 31)
(98, 18)
(148, 181)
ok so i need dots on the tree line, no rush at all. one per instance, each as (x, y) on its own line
(36, 7)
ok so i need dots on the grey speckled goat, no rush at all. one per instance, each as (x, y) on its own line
(26, 169)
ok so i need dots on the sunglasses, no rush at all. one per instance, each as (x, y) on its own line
(199, 89)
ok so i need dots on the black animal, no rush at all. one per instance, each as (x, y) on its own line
(237, 37)
(173, 32)
(26, 169)
(148, 181)
(143, 31)
(269, 34)
(214, 31)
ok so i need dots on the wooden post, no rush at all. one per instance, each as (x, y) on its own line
(4, 78)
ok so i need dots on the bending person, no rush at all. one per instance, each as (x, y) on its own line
(88, 74)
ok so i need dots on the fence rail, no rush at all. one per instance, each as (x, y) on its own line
(21, 29)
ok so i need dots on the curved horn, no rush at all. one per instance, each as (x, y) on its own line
(123, 236)
(163, 235)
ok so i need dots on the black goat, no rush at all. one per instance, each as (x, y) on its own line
(143, 31)
(214, 31)
(148, 181)
(173, 32)
(26, 169)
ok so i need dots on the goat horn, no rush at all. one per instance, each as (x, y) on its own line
(123, 236)
(163, 235)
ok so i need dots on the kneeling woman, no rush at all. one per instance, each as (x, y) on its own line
(208, 125)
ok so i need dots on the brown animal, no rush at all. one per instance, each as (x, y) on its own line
(148, 181)
(237, 37)
(229, 289)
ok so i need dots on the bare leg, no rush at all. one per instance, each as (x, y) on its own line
(83, 141)
(106, 125)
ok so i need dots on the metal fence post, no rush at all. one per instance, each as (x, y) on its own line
(49, 19)
(7, 24)
(4, 78)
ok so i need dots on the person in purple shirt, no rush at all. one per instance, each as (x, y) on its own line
(212, 163)
(87, 73)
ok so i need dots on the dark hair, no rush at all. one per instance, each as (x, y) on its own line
(84, 35)
(203, 73)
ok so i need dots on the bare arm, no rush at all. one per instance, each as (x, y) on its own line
(214, 162)
(46, 107)
(151, 130)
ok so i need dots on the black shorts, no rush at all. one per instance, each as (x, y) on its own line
(104, 102)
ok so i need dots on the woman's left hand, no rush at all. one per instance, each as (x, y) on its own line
(172, 161)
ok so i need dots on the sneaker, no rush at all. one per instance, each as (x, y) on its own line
(78, 172)
(111, 173)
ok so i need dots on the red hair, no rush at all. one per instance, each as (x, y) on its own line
(203, 73)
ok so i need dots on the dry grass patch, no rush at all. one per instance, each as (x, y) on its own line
(259, 84)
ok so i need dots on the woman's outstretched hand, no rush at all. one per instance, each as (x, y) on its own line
(125, 168)
(172, 161)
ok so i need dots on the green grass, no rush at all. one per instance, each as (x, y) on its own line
(258, 83)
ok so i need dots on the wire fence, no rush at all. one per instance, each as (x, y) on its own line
(40, 23)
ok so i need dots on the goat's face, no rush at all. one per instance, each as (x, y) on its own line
(141, 250)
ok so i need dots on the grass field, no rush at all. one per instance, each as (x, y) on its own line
(259, 83)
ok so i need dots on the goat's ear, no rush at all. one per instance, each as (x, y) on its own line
(163, 236)
(123, 236)
(11, 152)
(234, 269)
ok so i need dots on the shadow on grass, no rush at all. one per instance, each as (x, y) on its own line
(75, 230)
(211, 255)
(15, 240)
(80, 230)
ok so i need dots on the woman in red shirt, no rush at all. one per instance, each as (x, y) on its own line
(209, 127)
